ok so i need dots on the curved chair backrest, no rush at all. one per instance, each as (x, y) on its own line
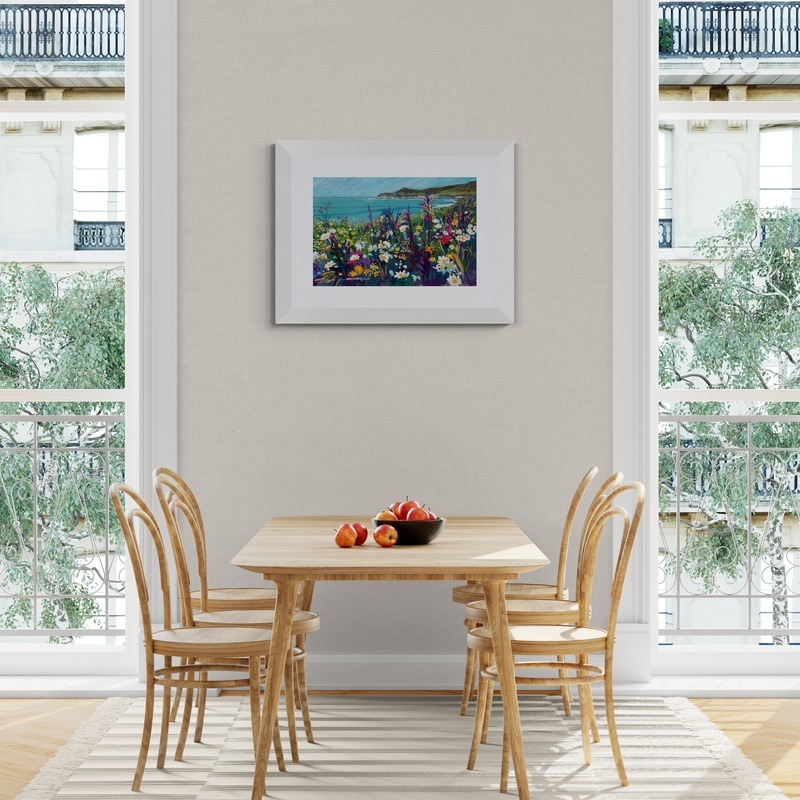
(561, 580)
(176, 500)
(599, 504)
(607, 510)
(138, 509)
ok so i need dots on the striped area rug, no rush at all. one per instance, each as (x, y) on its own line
(400, 748)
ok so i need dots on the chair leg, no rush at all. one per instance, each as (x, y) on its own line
(592, 718)
(566, 694)
(202, 694)
(469, 680)
(505, 762)
(612, 727)
(165, 713)
(149, 703)
(173, 717)
(298, 704)
(187, 718)
(583, 689)
(480, 709)
(278, 747)
(302, 688)
(254, 663)
(288, 687)
(487, 714)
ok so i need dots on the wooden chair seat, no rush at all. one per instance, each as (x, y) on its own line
(303, 622)
(212, 641)
(544, 639)
(468, 593)
(529, 612)
(235, 599)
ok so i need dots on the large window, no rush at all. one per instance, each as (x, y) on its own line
(65, 282)
(728, 357)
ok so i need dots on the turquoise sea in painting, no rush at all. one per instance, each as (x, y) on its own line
(353, 198)
(357, 208)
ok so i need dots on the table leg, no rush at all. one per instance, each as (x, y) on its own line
(494, 592)
(281, 636)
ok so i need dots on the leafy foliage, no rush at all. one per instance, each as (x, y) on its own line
(732, 321)
(59, 331)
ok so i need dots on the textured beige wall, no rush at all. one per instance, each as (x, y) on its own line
(473, 420)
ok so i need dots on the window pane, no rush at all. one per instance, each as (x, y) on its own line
(68, 37)
(729, 504)
(61, 548)
(722, 51)
(61, 330)
(729, 291)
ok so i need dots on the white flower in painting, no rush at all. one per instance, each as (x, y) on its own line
(454, 280)
(403, 228)
(325, 236)
(316, 254)
(354, 257)
(445, 264)
(400, 275)
(471, 229)
(372, 248)
(359, 246)
(416, 277)
(384, 257)
(462, 237)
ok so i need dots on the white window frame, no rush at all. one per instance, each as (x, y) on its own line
(150, 396)
(635, 340)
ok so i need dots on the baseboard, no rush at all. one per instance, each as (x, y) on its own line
(66, 686)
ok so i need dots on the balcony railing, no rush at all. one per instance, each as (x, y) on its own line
(99, 235)
(62, 568)
(728, 30)
(729, 508)
(62, 33)
(664, 232)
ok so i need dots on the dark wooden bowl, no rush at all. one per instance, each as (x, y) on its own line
(411, 533)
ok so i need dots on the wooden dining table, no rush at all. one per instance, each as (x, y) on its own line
(487, 550)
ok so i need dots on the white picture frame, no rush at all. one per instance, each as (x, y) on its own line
(299, 302)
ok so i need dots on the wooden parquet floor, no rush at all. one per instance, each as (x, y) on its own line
(767, 730)
(31, 731)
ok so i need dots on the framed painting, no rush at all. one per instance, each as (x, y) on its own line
(388, 232)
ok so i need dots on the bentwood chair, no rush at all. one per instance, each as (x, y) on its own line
(201, 650)
(577, 641)
(536, 611)
(178, 502)
(469, 593)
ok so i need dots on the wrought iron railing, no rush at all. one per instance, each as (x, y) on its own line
(730, 29)
(62, 33)
(729, 546)
(664, 232)
(99, 235)
(62, 568)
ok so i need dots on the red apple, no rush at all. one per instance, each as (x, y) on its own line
(346, 536)
(385, 535)
(395, 508)
(406, 507)
(361, 532)
(387, 515)
(417, 515)
(431, 515)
